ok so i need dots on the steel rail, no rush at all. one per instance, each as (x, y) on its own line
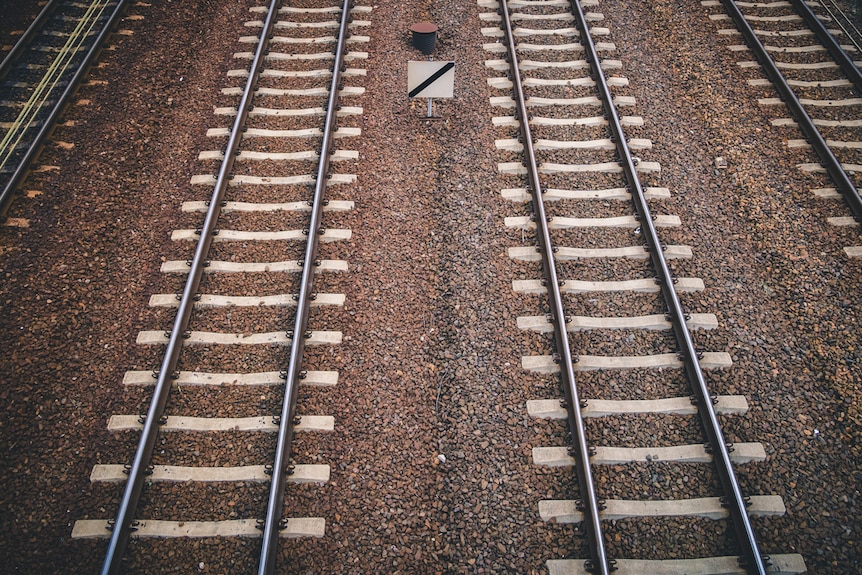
(293, 372)
(828, 40)
(847, 27)
(599, 561)
(833, 166)
(22, 43)
(123, 525)
(8, 190)
(734, 500)
(44, 88)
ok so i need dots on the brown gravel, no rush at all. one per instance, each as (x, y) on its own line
(17, 16)
(430, 364)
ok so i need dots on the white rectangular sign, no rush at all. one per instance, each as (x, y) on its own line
(430, 79)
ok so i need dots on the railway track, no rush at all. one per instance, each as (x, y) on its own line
(248, 295)
(430, 416)
(579, 166)
(808, 57)
(39, 75)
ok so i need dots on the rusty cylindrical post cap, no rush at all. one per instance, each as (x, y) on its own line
(423, 27)
(424, 36)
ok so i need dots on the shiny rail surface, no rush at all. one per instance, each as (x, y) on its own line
(37, 84)
(275, 504)
(833, 166)
(302, 176)
(854, 35)
(123, 524)
(570, 389)
(828, 40)
(272, 525)
(734, 500)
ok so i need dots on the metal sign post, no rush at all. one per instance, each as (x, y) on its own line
(430, 80)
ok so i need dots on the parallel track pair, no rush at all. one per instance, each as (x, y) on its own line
(751, 558)
(599, 561)
(40, 74)
(833, 166)
(125, 524)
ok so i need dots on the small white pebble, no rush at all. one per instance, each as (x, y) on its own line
(201, 565)
(442, 458)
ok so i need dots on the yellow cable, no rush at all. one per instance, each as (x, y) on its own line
(47, 85)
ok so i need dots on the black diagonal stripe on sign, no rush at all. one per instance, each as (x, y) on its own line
(418, 89)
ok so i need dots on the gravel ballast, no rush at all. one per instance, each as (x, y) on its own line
(431, 452)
